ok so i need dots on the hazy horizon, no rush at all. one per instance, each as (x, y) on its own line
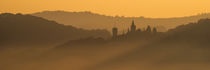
(128, 8)
(109, 15)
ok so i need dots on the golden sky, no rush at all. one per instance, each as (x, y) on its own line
(147, 8)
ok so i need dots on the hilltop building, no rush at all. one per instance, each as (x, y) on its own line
(134, 33)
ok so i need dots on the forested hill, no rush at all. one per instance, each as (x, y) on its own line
(89, 20)
(28, 29)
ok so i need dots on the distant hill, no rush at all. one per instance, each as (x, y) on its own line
(89, 20)
(185, 47)
(27, 29)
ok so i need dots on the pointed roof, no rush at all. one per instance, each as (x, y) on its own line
(133, 22)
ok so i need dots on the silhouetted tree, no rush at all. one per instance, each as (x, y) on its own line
(154, 30)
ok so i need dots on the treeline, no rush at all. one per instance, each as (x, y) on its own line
(28, 29)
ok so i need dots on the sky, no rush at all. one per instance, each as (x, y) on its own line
(128, 8)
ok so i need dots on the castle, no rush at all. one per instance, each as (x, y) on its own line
(134, 33)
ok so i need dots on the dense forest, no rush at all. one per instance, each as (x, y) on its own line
(31, 30)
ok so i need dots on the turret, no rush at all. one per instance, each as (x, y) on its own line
(114, 32)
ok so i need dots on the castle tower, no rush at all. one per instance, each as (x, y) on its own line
(133, 27)
(114, 32)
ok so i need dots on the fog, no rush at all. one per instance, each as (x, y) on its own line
(78, 58)
(124, 55)
(47, 45)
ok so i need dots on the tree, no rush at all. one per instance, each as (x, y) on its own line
(148, 29)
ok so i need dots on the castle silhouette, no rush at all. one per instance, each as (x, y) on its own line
(134, 33)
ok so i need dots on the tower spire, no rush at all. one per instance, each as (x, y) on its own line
(133, 22)
(133, 26)
(114, 31)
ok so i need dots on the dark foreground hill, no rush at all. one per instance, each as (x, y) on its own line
(90, 20)
(31, 30)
